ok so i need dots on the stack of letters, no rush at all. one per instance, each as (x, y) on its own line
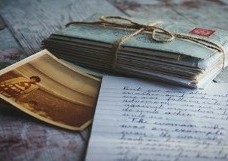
(173, 52)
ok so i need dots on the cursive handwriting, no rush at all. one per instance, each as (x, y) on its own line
(153, 123)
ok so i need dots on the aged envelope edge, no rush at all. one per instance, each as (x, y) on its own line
(65, 126)
(39, 54)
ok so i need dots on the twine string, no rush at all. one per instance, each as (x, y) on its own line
(158, 34)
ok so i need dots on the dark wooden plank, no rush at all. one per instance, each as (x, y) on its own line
(32, 21)
(86, 134)
(204, 12)
(159, 10)
(207, 13)
(2, 24)
(10, 50)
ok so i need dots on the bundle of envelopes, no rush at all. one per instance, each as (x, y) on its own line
(173, 52)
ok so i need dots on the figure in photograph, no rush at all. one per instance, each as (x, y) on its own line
(19, 87)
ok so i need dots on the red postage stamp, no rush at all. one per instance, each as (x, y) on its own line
(202, 32)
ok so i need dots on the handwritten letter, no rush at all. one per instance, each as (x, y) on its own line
(141, 121)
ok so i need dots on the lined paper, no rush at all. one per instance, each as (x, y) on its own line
(137, 120)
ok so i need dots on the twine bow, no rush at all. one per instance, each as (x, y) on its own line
(158, 34)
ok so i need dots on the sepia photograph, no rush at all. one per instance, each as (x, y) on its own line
(51, 91)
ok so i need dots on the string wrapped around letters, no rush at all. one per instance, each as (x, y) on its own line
(157, 34)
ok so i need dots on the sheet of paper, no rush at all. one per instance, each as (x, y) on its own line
(137, 120)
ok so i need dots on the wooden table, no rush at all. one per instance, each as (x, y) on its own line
(25, 23)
